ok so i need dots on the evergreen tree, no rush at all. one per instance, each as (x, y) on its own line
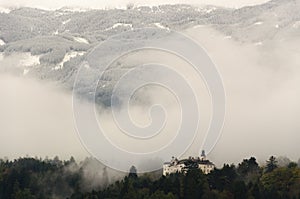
(271, 164)
(132, 172)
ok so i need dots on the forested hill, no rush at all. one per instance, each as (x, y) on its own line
(30, 178)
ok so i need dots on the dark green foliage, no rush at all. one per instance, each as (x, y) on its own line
(271, 164)
(221, 179)
(239, 190)
(33, 178)
(292, 165)
(281, 183)
(194, 183)
(29, 178)
(249, 171)
(133, 172)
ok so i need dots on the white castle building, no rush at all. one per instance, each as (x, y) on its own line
(183, 165)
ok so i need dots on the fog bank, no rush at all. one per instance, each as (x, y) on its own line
(36, 119)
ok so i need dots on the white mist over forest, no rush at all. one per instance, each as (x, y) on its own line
(262, 91)
(36, 120)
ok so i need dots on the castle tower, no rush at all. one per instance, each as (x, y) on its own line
(203, 156)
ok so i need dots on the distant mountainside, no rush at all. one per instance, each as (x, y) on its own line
(97, 25)
(56, 42)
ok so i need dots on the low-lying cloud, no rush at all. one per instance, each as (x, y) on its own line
(262, 87)
(36, 120)
(262, 105)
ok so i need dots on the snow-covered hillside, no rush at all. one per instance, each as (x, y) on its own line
(61, 39)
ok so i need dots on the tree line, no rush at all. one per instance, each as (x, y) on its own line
(32, 178)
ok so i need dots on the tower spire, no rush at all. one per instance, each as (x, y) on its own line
(203, 156)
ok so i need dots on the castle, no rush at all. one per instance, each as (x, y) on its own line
(183, 165)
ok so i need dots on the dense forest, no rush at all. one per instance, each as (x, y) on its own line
(33, 178)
